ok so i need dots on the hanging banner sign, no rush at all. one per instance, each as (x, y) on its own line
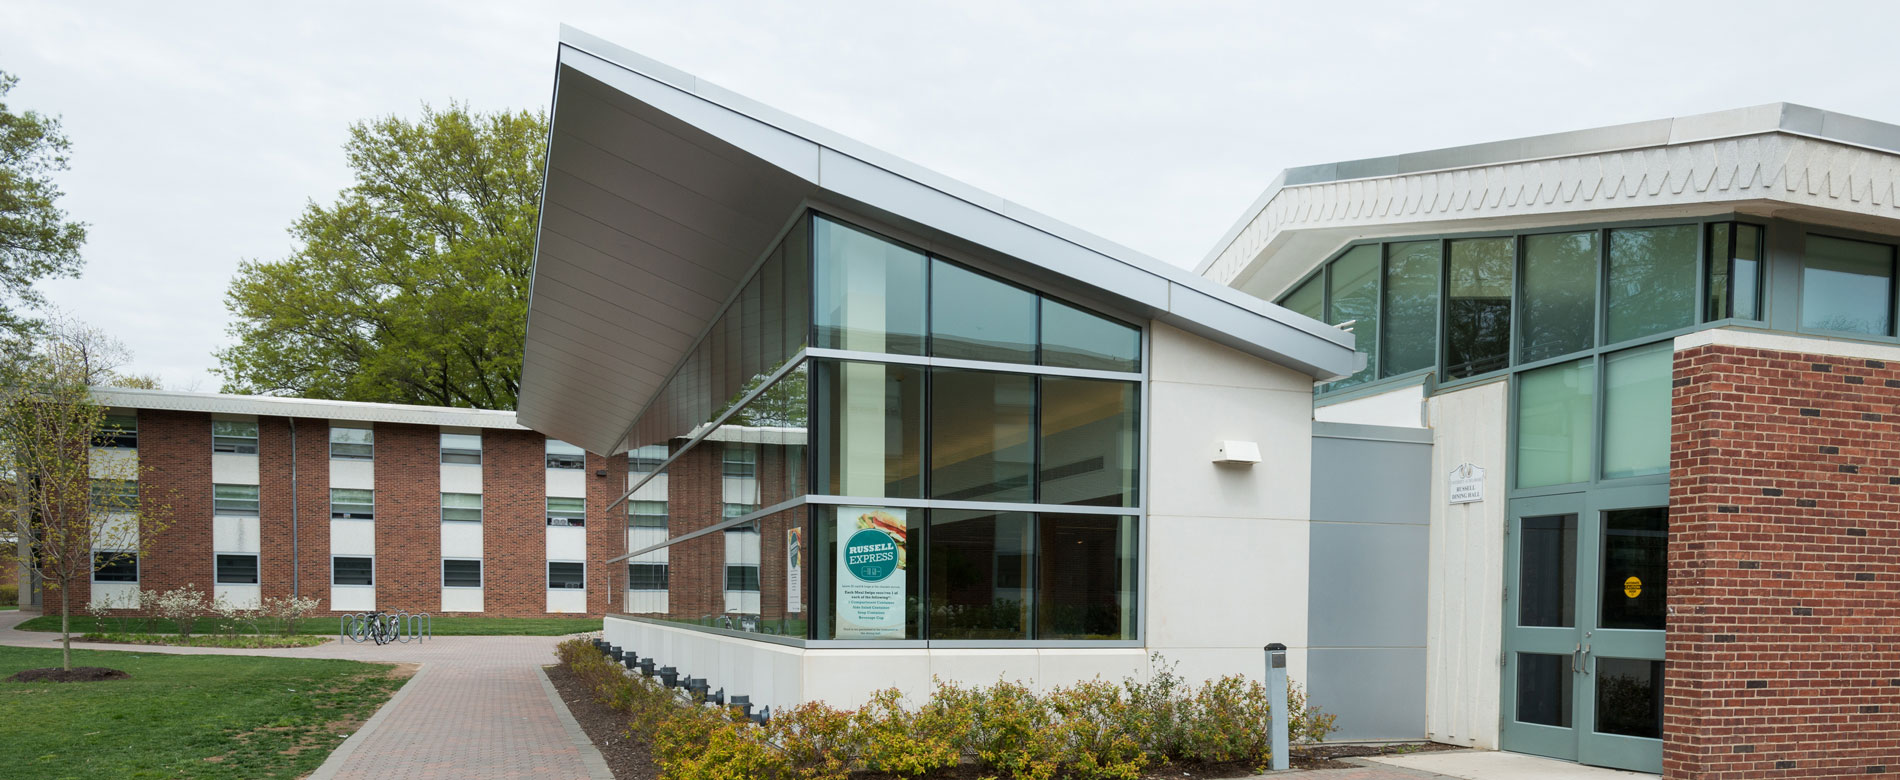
(1466, 485)
(795, 569)
(871, 565)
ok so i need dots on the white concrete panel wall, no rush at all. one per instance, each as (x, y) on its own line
(233, 469)
(353, 474)
(642, 602)
(781, 676)
(234, 534)
(1400, 408)
(114, 463)
(739, 490)
(120, 595)
(242, 596)
(567, 483)
(641, 538)
(1465, 587)
(461, 478)
(461, 540)
(653, 490)
(353, 537)
(566, 543)
(461, 599)
(352, 598)
(567, 600)
(1227, 545)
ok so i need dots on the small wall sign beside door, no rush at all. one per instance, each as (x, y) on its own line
(1466, 484)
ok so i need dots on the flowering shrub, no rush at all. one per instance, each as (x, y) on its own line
(182, 606)
(290, 611)
(1091, 730)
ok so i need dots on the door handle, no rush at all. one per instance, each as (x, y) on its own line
(1586, 659)
(1576, 659)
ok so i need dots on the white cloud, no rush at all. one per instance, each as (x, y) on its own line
(200, 132)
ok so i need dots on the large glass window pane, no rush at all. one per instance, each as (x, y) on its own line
(1411, 308)
(1089, 442)
(1635, 568)
(1636, 397)
(869, 294)
(1085, 577)
(1652, 281)
(352, 444)
(861, 592)
(1847, 286)
(1555, 412)
(1544, 689)
(980, 574)
(797, 287)
(1478, 307)
(1630, 697)
(1559, 296)
(1547, 576)
(974, 317)
(980, 444)
(1309, 298)
(869, 429)
(1734, 271)
(1073, 338)
(1355, 299)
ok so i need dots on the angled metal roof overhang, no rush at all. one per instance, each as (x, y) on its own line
(664, 191)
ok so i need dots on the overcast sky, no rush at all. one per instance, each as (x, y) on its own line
(200, 130)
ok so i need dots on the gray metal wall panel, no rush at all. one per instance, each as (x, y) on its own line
(1367, 582)
(1367, 586)
(1378, 693)
(1361, 481)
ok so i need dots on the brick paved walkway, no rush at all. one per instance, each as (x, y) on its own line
(480, 707)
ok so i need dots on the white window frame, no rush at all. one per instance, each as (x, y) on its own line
(481, 574)
(257, 512)
(372, 572)
(237, 442)
(480, 508)
(549, 571)
(443, 450)
(371, 444)
(257, 566)
(372, 504)
(138, 574)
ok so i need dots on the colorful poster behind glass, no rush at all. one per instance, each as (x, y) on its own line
(871, 565)
(794, 570)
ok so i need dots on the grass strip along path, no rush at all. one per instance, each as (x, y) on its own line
(320, 626)
(184, 716)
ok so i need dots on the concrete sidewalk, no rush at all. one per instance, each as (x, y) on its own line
(480, 707)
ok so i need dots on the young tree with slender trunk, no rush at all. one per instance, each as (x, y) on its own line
(80, 507)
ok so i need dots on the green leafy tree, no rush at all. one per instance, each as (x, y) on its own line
(37, 241)
(413, 286)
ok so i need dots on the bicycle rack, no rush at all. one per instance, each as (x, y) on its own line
(400, 627)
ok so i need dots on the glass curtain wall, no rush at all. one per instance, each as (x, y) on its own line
(807, 494)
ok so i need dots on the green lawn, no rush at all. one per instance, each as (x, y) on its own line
(443, 626)
(183, 716)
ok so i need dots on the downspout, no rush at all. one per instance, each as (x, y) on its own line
(296, 563)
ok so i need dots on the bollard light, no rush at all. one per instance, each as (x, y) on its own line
(1276, 694)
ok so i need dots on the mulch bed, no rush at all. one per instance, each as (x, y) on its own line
(75, 674)
(630, 758)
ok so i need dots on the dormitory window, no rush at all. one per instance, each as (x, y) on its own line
(118, 431)
(115, 566)
(647, 459)
(646, 576)
(237, 570)
(462, 507)
(352, 571)
(461, 573)
(741, 461)
(646, 514)
(352, 444)
(234, 500)
(742, 577)
(730, 511)
(462, 448)
(352, 504)
(567, 575)
(562, 455)
(115, 495)
(567, 511)
(231, 436)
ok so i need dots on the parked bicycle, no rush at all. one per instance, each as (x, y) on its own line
(375, 627)
(385, 627)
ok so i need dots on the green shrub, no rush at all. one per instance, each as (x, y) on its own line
(817, 740)
(1096, 735)
(1156, 718)
(1013, 731)
(9, 595)
(1227, 720)
(891, 739)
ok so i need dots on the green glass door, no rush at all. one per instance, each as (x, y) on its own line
(1583, 626)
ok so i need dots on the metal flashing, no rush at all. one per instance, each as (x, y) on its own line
(272, 406)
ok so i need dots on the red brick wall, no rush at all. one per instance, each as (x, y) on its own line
(175, 454)
(409, 518)
(1784, 628)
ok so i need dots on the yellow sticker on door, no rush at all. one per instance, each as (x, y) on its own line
(1632, 587)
